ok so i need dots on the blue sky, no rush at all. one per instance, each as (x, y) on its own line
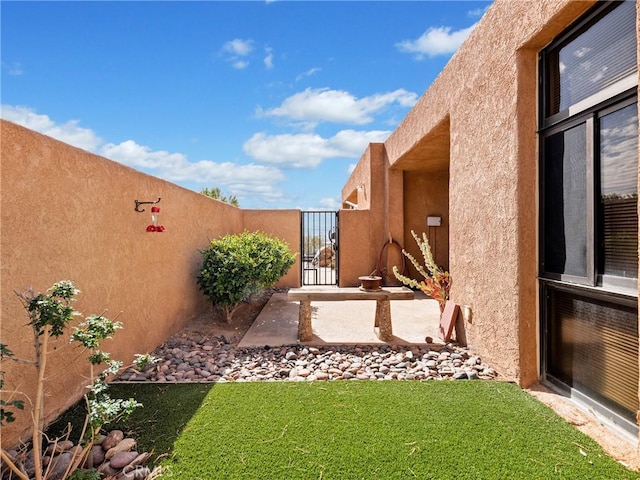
(273, 102)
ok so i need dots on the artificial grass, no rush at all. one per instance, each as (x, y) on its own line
(361, 430)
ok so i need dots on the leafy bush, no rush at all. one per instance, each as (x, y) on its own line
(237, 266)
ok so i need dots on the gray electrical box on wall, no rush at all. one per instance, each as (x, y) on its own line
(434, 221)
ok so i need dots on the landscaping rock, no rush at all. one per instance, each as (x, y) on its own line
(122, 459)
(124, 446)
(114, 437)
(59, 447)
(60, 464)
(184, 359)
(96, 455)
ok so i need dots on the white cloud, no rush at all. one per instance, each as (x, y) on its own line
(13, 69)
(308, 150)
(435, 41)
(245, 181)
(240, 180)
(236, 51)
(238, 47)
(330, 203)
(308, 73)
(477, 12)
(68, 132)
(338, 106)
(240, 64)
(268, 59)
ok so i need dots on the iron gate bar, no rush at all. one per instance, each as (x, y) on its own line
(319, 230)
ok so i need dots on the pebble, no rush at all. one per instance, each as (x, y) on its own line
(213, 359)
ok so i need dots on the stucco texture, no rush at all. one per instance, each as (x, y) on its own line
(67, 214)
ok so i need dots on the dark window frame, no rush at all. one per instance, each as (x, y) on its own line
(589, 113)
(619, 89)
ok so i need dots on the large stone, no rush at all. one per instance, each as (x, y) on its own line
(59, 466)
(141, 459)
(291, 355)
(113, 438)
(122, 459)
(107, 470)
(96, 456)
(124, 446)
(134, 473)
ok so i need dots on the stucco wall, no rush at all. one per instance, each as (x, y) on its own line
(358, 187)
(68, 214)
(356, 248)
(371, 180)
(426, 194)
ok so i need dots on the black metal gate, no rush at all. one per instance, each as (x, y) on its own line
(319, 247)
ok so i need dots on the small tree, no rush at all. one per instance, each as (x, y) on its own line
(50, 314)
(237, 266)
(216, 194)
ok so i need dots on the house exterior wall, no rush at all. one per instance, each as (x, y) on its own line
(357, 255)
(67, 214)
(426, 194)
(488, 93)
(360, 230)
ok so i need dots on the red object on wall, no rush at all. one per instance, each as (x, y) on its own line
(155, 219)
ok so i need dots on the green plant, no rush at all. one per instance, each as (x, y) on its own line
(216, 194)
(6, 406)
(49, 316)
(436, 283)
(237, 266)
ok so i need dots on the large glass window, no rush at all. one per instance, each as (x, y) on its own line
(618, 135)
(589, 210)
(565, 194)
(589, 62)
(592, 345)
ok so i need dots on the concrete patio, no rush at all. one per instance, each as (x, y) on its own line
(344, 323)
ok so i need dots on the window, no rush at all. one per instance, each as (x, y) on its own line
(589, 197)
(592, 61)
(589, 148)
(618, 199)
(588, 245)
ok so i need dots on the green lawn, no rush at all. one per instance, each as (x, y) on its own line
(361, 430)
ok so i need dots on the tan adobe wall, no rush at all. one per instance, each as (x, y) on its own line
(369, 183)
(69, 214)
(355, 250)
(358, 186)
(426, 194)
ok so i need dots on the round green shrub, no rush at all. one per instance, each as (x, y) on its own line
(237, 266)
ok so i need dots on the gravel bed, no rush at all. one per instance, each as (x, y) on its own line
(215, 359)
